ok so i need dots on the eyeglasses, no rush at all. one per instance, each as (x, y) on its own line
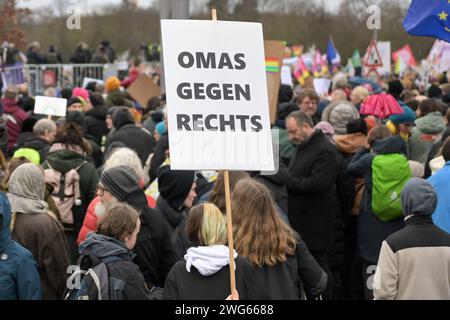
(100, 191)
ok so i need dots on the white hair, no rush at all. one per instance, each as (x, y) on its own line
(340, 81)
(125, 157)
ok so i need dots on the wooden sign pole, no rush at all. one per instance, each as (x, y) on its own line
(228, 208)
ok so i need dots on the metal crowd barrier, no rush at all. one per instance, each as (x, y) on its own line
(41, 76)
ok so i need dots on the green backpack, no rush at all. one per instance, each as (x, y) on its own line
(390, 172)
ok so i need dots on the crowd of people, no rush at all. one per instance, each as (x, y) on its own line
(354, 193)
(102, 53)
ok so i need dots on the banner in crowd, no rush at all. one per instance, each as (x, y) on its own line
(274, 51)
(218, 110)
(50, 106)
(406, 54)
(144, 88)
(12, 75)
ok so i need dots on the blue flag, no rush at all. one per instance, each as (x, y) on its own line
(429, 18)
(332, 54)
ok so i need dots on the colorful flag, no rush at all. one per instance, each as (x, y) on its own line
(272, 65)
(333, 55)
(301, 72)
(356, 59)
(400, 66)
(428, 18)
(297, 50)
(349, 68)
(406, 53)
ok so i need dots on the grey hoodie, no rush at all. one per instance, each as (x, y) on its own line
(418, 198)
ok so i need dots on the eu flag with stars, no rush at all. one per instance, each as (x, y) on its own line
(429, 18)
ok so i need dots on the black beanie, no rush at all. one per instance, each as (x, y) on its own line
(174, 186)
(434, 92)
(395, 88)
(120, 181)
(121, 117)
(357, 126)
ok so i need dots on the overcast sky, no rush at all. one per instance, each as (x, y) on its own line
(91, 4)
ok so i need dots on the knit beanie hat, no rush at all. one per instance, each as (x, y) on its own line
(174, 186)
(81, 93)
(161, 128)
(357, 126)
(121, 117)
(408, 116)
(120, 181)
(112, 83)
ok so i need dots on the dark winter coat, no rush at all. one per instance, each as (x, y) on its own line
(123, 271)
(40, 145)
(116, 98)
(96, 123)
(310, 186)
(283, 281)
(159, 156)
(371, 230)
(155, 254)
(134, 138)
(184, 285)
(44, 237)
(19, 277)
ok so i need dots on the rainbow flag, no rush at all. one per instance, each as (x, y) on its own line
(272, 65)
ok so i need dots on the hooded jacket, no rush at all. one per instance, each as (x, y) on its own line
(40, 145)
(371, 230)
(96, 123)
(135, 138)
(65, 160)
(155, 254)
(16, 117)
(414, 262)
(37, 230)
(117, 98)
(204, 274)
(19, 277)
(428, 129)
(124, 275)
(441, 216)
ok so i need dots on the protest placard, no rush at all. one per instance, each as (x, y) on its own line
(322, 86)
(218, 114)
(86, 81)
(274, 51)
(144, 88)
(50, 106)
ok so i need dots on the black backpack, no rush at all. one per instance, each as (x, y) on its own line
(93, 281)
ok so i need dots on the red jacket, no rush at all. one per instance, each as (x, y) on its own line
(16, 117)
(90, 220)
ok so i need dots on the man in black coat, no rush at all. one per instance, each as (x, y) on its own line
(135, 138)
(310, 184)
(155, 252)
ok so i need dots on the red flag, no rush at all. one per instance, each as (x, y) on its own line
(407, 55)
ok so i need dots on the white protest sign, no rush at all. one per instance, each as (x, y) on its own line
(86, 81)
(218, 111)
(384, 48)
(122, 65)
(322, 86)
(286, 75)
(50, 106)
